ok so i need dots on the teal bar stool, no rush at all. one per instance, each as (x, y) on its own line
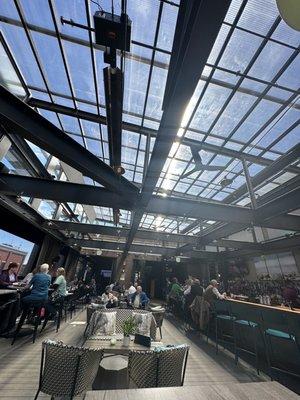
(223, 323)
(280, 338)
(247, 329)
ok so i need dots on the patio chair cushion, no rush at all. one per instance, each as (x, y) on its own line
(107, 324)
(143, 323)
(246, 322)
(279, 334)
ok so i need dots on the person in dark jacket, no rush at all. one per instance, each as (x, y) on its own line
(139, 299)
(9, 275)
(39, 285)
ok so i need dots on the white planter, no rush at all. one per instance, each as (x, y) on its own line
(126, 341)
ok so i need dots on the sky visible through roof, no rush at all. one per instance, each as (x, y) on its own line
(247, 99)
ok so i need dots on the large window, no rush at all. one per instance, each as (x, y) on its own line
(14, 249)
(276, 264)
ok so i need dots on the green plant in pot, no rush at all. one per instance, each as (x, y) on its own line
(128, 327)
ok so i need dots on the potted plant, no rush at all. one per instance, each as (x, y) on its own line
(128, 329)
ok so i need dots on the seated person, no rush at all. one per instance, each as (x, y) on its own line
(39, 287)
(30, 275)
(9, 275)
(290, 294)
(109, 299)
(211, 293)
(117, 287)
(131, 289)
(60, 291)
(139, 299)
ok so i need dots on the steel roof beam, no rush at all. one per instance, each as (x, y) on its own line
(63, 191)
(26, 122)
(46, 105)
(283, 204)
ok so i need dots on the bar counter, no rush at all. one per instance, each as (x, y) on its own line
(278, 308)
(276, 324)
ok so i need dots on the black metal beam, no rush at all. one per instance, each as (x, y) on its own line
(92, 195)
(46, 105)
(202, 22)
(63, 191)
(283, 204)
(121, 232)
(199, 209)
(119, 246)
(27, 213)
(279, 165)
(24, 121)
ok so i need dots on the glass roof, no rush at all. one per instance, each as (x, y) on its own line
(247, 99)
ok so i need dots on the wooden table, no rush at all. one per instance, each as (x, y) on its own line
(118, 348)
(233, 391)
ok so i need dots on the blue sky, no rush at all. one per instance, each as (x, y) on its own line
(16, 242)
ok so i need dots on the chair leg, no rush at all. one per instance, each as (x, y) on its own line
(256, 350)
(20, 324)
(236, 354)
(160, 332)
(36, 325)
(37, 394)
(217, 345)
(58, 319)
(45, 321)
(268, 356)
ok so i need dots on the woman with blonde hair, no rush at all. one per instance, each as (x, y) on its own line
(60, 283)
(60, 291)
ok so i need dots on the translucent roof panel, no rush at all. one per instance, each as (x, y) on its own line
(246, 103)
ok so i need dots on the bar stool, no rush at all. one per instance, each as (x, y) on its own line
(246, 331)
(59, 311)
(223, 318)
(37, 309)
(277, 328)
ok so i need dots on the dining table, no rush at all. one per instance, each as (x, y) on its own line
(227, 391)
(117, 348)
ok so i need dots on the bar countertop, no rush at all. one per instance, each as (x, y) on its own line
(279, 308)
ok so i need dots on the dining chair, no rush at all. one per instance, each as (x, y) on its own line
(67, 370)
(159, 317)
(158, 368)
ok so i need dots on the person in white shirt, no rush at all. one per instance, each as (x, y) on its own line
(139, 299)
(131, 289)
(211, 293)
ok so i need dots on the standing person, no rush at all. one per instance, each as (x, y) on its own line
(39, 286)
(9, 276)
(212, 293)
(139, 299)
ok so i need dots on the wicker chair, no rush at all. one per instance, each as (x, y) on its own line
(159, 317)
(157, 369)
(67, 370)
(122, 315)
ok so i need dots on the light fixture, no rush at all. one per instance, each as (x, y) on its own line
(177, 259)
(226, 182)
(119, 170)
(289, 11)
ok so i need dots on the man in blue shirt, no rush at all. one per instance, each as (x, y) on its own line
(139, 299)
(39, 284)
